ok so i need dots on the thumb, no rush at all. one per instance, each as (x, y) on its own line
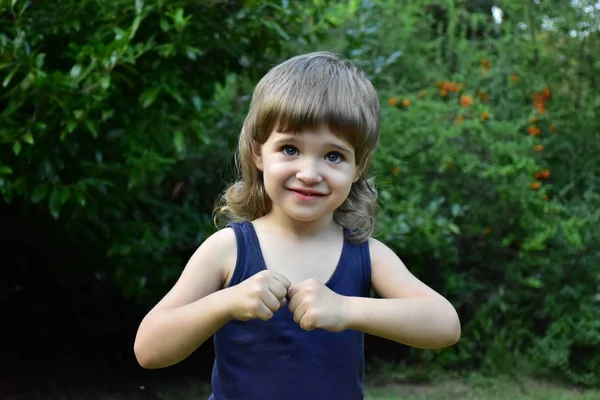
(295, 288)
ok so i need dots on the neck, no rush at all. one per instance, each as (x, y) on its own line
(300, 229)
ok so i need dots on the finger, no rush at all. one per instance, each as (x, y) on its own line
(278, 290)
(294, 301)
(263, 313)
(307, 323)
(299, 312)
(295, 288)
(282, 302)
(271, 302)
(285, 281)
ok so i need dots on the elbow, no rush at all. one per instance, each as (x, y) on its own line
(455, 333)
(453, 329)
(447, 330)
(143, 357)
(146, 358)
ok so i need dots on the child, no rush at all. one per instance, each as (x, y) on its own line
(285, 286)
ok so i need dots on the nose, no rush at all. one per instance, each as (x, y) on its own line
(309, 172)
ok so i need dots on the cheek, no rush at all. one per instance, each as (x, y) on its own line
(342, 177)
(277, 171)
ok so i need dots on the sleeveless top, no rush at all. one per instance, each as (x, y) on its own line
(276, 359)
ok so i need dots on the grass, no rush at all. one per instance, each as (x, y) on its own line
(492, 389)
(469, 388)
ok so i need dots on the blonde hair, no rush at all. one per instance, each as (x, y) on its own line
(304, 92)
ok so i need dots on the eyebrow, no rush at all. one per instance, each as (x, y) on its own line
(289, 138)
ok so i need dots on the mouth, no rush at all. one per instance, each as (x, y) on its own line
(307, 193)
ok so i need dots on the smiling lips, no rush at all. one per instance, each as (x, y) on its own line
(307, 194)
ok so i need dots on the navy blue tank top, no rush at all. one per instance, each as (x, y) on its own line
(276, 359)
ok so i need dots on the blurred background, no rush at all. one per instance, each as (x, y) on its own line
(118, 122)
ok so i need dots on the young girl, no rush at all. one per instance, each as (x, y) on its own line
(284, 287)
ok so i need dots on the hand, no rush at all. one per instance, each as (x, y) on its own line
(314, 306)
(259, 296)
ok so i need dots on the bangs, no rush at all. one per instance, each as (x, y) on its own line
(317, 95)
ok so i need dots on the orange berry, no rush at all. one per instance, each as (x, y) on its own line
(459, 119)
(393, 101)
(546, 92)
(545, 174)
(539, 148)
(514, 78)
(485, 115)
(545, 197)
(406, 102)
(466, 100)
(533, 130)
(395, 171)
(535, 185)
(540, 107)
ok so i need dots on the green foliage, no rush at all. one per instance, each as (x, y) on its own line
(488, 174)
(118, 118)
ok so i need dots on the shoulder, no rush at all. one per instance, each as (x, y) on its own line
(219, 250)
(205, 272)
(222, 241)
(379, 251)
(382, 256)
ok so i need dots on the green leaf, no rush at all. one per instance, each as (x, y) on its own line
(5, 170)
(453, 228)
(39, 193)
(178, 141)
(139, 6)
(78, 114)
(54, 203)
(197, 102)
(64, 195)
(148, 96)
(9, 77)
(105, 82)
(91, 127)
(534, 283)
(79, 196)
(17, 148)
(28, 138)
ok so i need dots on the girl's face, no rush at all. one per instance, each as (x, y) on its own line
(307, 175)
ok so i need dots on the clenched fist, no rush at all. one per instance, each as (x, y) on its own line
(314, 306)
(259, 296)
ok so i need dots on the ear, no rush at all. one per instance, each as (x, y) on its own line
(257, 157)
(357, 175)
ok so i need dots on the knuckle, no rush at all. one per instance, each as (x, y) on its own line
(255, 304)
(266, 316)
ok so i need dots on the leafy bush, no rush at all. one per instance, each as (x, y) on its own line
(487, 128)
(118, 118)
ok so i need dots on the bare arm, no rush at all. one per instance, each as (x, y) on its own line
(409, 312)
(193, 310)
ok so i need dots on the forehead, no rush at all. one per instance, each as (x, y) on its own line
(322, 135)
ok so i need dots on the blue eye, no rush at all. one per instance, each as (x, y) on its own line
(289, 150)
(334, 157)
